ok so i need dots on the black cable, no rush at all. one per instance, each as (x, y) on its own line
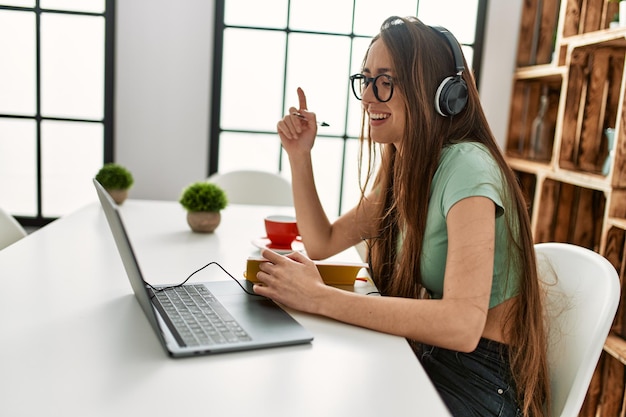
(159, 289)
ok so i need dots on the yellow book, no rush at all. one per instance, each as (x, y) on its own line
(332, 272)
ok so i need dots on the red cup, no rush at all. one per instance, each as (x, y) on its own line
(281, 230)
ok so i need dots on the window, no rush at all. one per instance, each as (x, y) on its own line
(55, 104)
(261, 58)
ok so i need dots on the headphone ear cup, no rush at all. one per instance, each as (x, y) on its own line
(451, 96)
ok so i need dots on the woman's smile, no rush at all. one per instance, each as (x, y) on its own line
(376, 119)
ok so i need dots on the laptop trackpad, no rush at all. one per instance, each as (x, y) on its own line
(259, 316)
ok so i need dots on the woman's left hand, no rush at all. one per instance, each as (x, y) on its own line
(292, 280)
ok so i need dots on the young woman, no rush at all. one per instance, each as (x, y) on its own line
(451, 249)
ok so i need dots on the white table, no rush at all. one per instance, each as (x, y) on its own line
(74, 342)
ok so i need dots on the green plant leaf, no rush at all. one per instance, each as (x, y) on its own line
(113, 176)
(203, 196)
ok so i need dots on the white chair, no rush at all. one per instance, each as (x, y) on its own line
(254, 187)
(581, 305)
(10, 230)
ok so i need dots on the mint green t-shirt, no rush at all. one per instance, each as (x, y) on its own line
(466, 169)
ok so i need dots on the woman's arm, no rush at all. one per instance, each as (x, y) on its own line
(456, 322)
(321, 238)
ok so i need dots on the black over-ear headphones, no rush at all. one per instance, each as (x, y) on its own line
(451, 95)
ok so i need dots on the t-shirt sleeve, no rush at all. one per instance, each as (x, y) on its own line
(473, 174)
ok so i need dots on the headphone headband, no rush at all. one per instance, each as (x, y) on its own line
(454, 45)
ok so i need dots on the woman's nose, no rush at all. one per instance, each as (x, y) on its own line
(368, 94)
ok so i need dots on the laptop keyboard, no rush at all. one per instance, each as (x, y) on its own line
(198, 317)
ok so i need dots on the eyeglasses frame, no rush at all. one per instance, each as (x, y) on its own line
(372, 81)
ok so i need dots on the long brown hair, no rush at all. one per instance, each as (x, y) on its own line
(421, 60)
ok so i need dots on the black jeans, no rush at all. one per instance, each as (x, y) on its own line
(476, 384)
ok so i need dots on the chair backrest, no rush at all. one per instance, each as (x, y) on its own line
(583, 292)
(10, 230)
(254, 187)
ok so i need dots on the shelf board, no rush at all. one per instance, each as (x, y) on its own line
(548, 71)
(544, 169)
(582, 179)
(616, 347)
(606, 37)
(525, 165)
(617, 222)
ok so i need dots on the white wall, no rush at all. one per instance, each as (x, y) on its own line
(163, 75)
(501, 34)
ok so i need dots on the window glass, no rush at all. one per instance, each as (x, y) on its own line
(327, 155)
(17, 70)
(252, 79)
(52, 66)
(321, 16)
(18, 3)
(469, 55)
(460, 20)
(355, 110)
(319, 64)
(72, 154)
(249, 151)
(327, 162)
(351, 190)
(92, 6)
(266, 13)
(72, 67)
(18, 166)
(367, 19)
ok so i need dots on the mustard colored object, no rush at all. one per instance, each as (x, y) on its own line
(333, 273)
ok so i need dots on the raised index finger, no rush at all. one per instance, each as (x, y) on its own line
(302, 99)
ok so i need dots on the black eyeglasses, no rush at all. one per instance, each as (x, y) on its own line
(381, 84)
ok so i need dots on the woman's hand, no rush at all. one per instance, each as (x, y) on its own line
(297, 130)
(292, 280)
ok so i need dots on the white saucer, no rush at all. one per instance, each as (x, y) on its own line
(265, 243)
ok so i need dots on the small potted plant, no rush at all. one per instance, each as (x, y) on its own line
(203, 202)
(116, 179)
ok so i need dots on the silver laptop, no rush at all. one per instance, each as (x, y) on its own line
(203, 318)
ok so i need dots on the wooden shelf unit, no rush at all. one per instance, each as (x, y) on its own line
(567, 143)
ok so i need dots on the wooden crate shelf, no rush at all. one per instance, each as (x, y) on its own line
(591, 181)
(537, 40)
(525, 165)
(568, 213)
(580, 17)
(616, 347)
(617, 222)
(617, 207)
(609, 37)
(569, 95)
(549, 72)
(592, 100)
(534, 118)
